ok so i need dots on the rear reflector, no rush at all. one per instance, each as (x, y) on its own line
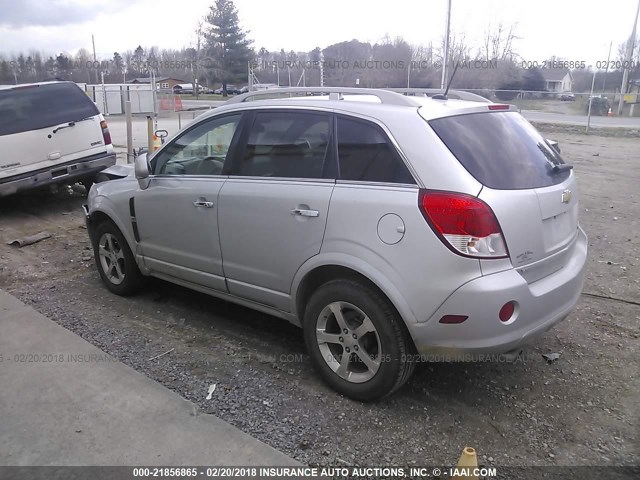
(499, 107)
(106, 135)
(465, 224)
(506, 312)
(453, 319)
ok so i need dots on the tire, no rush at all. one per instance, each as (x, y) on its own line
(114, 260)
(87, 183)
(380, 350)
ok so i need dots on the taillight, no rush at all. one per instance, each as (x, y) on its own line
(464, 223)
(499, 106)
(106, 135)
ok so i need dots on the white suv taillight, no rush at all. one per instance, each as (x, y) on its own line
(465, 224)
(106, 135)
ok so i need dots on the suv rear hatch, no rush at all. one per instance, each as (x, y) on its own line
(526, 183)
(47, 124)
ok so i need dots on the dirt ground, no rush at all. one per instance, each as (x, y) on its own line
(582, 409)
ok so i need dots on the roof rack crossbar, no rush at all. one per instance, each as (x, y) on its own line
(385, 96)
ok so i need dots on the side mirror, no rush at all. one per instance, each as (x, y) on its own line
(141, 169)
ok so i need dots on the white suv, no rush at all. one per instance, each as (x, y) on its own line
(392, 229)
(50, 132)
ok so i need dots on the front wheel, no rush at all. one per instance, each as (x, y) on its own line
(357, 341)
(115, 262)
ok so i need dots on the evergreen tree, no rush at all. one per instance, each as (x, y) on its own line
(533, 80)
(228, 48)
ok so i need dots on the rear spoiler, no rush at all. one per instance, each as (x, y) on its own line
(455, 94)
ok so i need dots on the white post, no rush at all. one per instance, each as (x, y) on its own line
(443, 82)
(127, 112)
(154, 94)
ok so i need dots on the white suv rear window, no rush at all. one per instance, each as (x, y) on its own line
(501, 150)
(39, 106)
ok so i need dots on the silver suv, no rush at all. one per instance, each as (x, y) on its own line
(390, 228)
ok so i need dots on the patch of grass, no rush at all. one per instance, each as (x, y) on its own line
(527, 104)
(579, 106)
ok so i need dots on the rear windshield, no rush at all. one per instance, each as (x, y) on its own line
(41, 106)
(501, 150)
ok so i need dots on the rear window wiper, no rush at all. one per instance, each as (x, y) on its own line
(72, 123)
(561, 167)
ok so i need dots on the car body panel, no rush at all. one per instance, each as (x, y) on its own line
(256, 229)
(165, 213)
(551, 224)
(541, 305)
(417, 256)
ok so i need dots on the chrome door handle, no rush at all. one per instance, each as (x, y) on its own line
(203, 203)
(305, 213)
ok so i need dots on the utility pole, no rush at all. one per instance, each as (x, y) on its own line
(625, 75)
(606, 68)
(593, 82)
(443, 82)
(93, 42)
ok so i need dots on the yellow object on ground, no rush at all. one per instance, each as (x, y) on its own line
(467, 465)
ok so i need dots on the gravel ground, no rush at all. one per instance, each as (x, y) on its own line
(581, 409)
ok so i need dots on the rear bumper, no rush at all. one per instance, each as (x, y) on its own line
(67, 172)
(540, 305)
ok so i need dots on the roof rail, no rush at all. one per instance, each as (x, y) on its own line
(455, 94)
(385, 96)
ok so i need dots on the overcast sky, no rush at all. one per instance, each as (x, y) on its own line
(574, 30)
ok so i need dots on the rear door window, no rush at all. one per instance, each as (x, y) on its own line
(41, 106)
(501, 150)
(365, 154)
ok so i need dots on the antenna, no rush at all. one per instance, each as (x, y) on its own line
(451, 79)
(443, 96)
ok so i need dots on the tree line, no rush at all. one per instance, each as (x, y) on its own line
(223, 54)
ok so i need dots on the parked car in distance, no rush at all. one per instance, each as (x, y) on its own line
(231, 90)
(600, 105)
(50, 133)
(392, 229)
(567, 97)
(187, 89)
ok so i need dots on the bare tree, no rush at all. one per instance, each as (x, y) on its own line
(498, 43)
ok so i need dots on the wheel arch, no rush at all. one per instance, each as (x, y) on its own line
(101, 212)
(317, 272)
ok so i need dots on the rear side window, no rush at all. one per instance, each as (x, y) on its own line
(365, 154)
(286, 144)
(501, 150)
(41, 106)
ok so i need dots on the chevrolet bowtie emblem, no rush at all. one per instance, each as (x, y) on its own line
(566, 196)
